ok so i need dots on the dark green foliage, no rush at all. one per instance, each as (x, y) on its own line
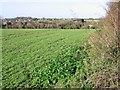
(64, 66)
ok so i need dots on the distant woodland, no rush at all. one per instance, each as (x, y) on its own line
(39, 23)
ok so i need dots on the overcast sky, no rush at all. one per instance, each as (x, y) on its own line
(53, 8)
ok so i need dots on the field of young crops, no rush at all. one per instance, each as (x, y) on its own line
(44, 58)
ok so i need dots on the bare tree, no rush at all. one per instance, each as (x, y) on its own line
(107, 42)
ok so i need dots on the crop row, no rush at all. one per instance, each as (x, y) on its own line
(33, 58)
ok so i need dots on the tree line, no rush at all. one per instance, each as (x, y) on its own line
(35, 23)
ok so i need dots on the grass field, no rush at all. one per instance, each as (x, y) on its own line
(44, 58)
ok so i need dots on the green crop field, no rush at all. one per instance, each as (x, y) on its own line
(44, 58)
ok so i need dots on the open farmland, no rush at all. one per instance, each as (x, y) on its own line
(43, 58)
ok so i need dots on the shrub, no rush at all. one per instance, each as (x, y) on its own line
(106, 52)
(106, 42)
